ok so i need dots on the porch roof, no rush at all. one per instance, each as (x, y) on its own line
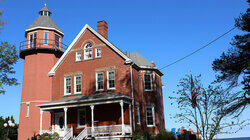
(87, 99)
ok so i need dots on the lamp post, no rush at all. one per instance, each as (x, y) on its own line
(8, 125)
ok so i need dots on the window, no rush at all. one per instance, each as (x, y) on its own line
(27, 109)
(78, 84)
(148, 82)
(88, 51)
(78, 56)
(32, 40)
(111, 79)
(150, 117)
(138, 119)
(81, 117)
(98, 53)
(57, 40)
(46, 34)
(99, 81)
(67, 85)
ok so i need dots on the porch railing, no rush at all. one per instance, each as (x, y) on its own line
(109, 130)
(82, 135)
(68, 134)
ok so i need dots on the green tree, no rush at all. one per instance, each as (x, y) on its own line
(204, 108)
(10, 130)
(8, 57)
(233, 66)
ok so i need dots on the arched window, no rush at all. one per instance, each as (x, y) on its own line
(88, 50)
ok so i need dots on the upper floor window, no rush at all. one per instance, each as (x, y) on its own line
(150, 115)
(67, 85)
(32, 40)
(111, 79)
(98, 52)
(57, 40)
(78, 56)
(46, 36)
(78, 84)
(148, 82)
(88, 51)
(99, 81)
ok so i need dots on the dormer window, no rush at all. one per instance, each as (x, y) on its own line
(88, 50)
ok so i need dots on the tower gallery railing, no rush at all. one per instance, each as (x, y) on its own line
(42, 43)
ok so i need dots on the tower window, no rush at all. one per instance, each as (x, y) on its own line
(27, 109)
(111, 79)
(88, 51)
(32, 40)
(78, 84)
(46, 35)
(98, 52)
(57, 40)
(99, 81)
(67, 85)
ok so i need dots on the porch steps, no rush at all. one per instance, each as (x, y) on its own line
(82, 135)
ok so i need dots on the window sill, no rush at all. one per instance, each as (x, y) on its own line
(77, 93)
(99, 90)
(148, 90)
(65, 95)
(111, 89)
(78, 61)
(150, 125)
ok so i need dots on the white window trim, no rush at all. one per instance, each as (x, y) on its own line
(77, 60)
(151, 81)
(78, 118)
(96, 53)
(96, 79)
(113, 88)
(27, 109)
(138, 113)
(65, 89)
(75, 84)
(47, 38)
(88, 49)
(153, 114)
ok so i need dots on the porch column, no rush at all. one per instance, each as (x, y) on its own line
(41, 120)
(122, 115)
(65, 117)
(130, 119)
(92, 120)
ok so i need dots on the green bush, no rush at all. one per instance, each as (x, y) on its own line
(164, 135)
(47, 136)
(139, 135)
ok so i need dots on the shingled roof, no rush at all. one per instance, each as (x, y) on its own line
(44, 22)
(139, 59)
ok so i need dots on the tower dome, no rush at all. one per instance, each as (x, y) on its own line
(44, 21)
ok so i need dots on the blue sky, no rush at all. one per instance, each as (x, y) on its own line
(161, 31)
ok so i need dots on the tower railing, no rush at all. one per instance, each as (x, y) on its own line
(42, 43)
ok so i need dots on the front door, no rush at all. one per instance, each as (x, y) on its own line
(59, 123)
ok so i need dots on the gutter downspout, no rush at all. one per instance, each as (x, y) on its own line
(132, 93)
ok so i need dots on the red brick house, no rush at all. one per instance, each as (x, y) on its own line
(92, 89)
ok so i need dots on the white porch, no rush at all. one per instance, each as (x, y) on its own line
(92, 130)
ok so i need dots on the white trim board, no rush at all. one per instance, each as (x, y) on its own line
(127, 59)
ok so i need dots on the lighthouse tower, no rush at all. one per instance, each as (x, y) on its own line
(40, 51)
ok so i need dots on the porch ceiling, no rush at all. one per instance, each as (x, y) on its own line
(86, 100)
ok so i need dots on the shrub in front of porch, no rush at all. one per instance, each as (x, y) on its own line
(139, 135)
(164, 135)
(48, 136)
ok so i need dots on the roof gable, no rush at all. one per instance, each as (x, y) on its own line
(125, 57)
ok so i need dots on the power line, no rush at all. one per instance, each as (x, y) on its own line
(197, 49)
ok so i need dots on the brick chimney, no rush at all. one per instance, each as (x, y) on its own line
(102, 28)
